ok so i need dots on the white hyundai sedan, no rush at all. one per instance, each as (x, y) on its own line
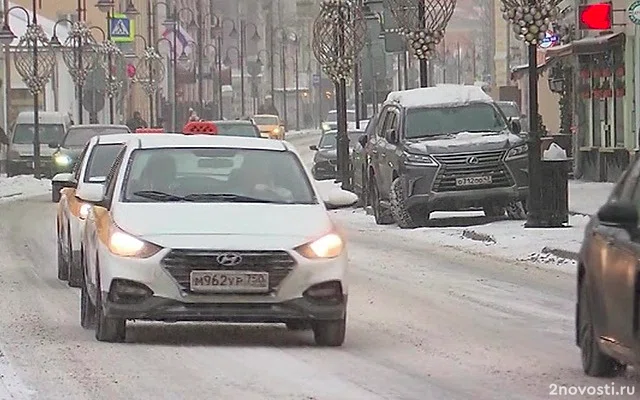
(211, 228)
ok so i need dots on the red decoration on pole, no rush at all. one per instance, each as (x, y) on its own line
(131, 71)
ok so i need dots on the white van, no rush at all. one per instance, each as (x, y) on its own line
(52, 128)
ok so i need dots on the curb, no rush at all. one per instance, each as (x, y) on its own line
(561, 253)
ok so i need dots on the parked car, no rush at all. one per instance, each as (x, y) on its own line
(360, 162)
(20, 155)
(242, 128)
(608, 282)
(67, 151)
(325, 161)
(445, 148)
(331, 122)
(512, 112)
(270, 126)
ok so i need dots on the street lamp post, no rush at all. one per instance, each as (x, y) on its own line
(215, 61)
(530, 20)
(173, 57)
(228, 62)
(338, 38)
(423, 25)
(283, 69)
(34, 60)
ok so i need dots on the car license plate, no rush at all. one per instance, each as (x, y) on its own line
(229, 282)
(473, 181)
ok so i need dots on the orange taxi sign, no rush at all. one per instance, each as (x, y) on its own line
(200, 128)
(149, 130)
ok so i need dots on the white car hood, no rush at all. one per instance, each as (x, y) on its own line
(229, 226)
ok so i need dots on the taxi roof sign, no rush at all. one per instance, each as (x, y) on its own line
(200, 128)
(149, 130)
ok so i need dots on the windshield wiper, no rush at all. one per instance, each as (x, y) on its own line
(160, 196)
(225, 197)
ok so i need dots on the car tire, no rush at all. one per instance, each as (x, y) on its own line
(55, 192)
(108, 329)
(381, 216)
(594, 362)
(493, 210)
(11, 172)
(405, 219)
(87, 309)
(63, 267)
(74, 271)
(330, 333)
(297, 325)
(516, 210)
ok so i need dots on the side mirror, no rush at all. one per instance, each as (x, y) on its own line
(64, 180)
(393, 136)
(516, 127)
(53, 145)
(363, 140)
(91, 192)
(313, 147)
(619, 214)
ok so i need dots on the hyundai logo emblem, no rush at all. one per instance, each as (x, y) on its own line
(473, 161)
(229, 259)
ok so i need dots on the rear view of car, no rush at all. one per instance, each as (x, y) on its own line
(270, 126)
(237, 128)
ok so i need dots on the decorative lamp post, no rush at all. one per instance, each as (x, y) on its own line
(112, 61)
(227, 62)
(149, 74)
(530, 20)
(242, 42)
(34, 60)
(338, 37)
(79, 55)
(173, 57)
(423, 23)
(217, 61)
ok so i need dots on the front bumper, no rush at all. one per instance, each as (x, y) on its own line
(426, 187)
(324, 170)
(165, 293)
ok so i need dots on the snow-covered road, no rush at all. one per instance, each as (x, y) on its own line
(425, 322)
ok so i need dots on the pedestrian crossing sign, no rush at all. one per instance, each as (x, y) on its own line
(121, 28)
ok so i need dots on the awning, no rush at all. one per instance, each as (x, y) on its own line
(18, 23)
(589, 45)
(522, 70)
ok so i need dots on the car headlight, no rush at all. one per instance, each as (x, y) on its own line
(84, 210)
(328, 246)
(62, 159)
(277, 130)
(419, 160)
(326, 126)
(125, 245)
(517, 152)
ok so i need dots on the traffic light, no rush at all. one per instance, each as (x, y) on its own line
(595, 17)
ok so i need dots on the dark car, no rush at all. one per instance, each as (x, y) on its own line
(242, 128)
(325, 161)
(360, 162)
(512, 112)
(607, 327)
(445, 148)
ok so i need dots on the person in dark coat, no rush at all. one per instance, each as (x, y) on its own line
(136, 122)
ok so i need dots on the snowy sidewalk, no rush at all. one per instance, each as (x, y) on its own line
(22, 186)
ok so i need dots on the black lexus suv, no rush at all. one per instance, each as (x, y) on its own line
(445, 148)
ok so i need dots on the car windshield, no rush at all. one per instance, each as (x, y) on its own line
(438, 121)
(265, 120)
(510, 110)
(217, 175)
(330, 139)
(48, 133)
(333, 116)
(101, 160)
(244, 130)
(78, 137)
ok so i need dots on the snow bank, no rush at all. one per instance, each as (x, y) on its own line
(22, 186)
(332, 192)
(472, 232)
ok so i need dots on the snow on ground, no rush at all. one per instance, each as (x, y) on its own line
(19, 187)
(588, 197)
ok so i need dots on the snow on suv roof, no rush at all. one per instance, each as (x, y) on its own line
(168, 140)
(446, 94)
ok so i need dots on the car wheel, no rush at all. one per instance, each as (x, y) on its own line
(63, 267)
(405, 218)
(87, 309)
(330, 333)
(493, 210)
(113, 330)
(55, 192)
(297, 325)
(10, 170)
(516, 210)
(74, 270)
(594, 361)
(381, 216)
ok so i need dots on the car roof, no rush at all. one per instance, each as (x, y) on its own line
(97, 126)
(233, 122)
(265, 115)
(178, 140)
(115, 138)
(332, 131)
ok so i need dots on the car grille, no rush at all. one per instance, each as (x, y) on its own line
(456, 166)
(179, 263)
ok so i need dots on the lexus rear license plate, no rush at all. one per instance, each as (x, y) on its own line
(229, 282)
(473, 181)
